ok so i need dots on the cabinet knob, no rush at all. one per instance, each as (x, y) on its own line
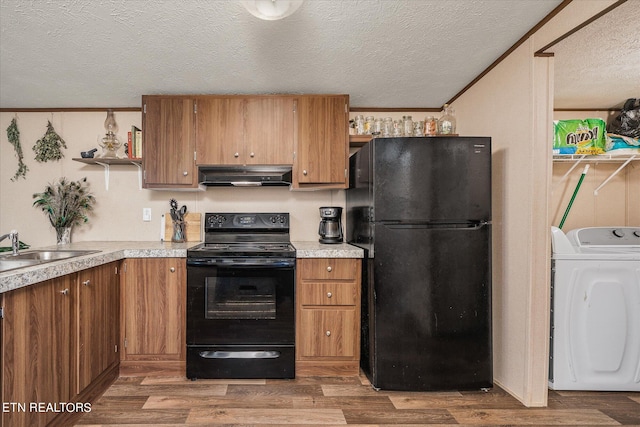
(185, 173)
(252, 154)
(328, 333)
(65, 291)
(329, 294)
(86, 282)
(329, 268)
(172, 269)
(304, 172)
(236, 155)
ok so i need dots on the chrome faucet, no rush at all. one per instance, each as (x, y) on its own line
(15, 245)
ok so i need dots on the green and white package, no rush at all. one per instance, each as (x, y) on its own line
(579, 136)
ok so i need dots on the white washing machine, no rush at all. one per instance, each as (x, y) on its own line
(595, 309)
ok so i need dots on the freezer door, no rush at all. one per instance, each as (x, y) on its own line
(432, 179)
(430, 309)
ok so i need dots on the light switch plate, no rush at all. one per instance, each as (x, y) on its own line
(146, 214)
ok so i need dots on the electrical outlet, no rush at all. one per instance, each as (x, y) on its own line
(146, 214)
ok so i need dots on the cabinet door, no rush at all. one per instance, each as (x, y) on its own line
(328, 333)
(219, 131)
(269, 130)
(37, 349)
(323, 142)
(168, 142)
(98, 322)
(154, 300)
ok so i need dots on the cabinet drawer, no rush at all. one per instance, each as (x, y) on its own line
(328, 268)
(331, 293)
(327, 333)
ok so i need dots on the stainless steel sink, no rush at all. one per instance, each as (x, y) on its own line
(36, 257)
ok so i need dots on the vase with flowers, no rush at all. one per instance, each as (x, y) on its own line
(66, 203)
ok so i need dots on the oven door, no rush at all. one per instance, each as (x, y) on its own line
(240, 301)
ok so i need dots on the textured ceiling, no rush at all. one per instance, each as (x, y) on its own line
(599, 65)
(389, 54)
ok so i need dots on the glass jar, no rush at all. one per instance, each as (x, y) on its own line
(368, 125)
(397, 128)
(431, 126)
(408, 126)
(387, 127)
(418, 128)
(360, 124)
(377, 127)
(447, 123)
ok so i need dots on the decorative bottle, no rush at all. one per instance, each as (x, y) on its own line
(447, 123)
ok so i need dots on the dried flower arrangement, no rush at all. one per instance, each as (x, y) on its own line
(66, 203)
(13, 135)
(48, 147)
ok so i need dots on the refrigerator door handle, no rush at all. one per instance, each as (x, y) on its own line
(472, 225)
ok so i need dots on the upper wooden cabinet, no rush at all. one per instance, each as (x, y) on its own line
(245, 130)
(168, 142)
(322, 149)
(309, 132)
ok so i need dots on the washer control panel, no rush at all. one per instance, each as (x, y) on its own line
(605, 236)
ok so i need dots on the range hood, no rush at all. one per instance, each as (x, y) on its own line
(244, 176)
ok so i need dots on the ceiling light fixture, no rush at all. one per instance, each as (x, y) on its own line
(271, 10)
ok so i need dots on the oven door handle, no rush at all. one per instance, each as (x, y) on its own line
(240, 354)
(242, 262)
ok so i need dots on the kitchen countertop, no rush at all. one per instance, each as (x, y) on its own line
(109, 251)
(315, 249)
(114, 251)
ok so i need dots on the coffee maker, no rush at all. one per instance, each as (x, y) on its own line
(330, 229)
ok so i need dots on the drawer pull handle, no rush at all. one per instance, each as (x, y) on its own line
(329, 269)
(328, 333)
(329, 294)
(65, 291)
(86, 282)
(172, 269)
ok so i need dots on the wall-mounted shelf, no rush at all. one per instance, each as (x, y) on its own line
(106, 164)
(625, 159)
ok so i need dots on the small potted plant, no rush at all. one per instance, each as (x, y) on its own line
(66, 203)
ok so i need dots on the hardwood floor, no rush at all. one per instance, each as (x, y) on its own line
(317, 401)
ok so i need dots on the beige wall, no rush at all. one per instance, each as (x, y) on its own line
(503, 105)
(118, 211)
(513, 104)
(617, 203)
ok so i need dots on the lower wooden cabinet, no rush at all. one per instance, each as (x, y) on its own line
(37, 349)
(328, 316)
(58, 346)
(153, 300)
(98, 322)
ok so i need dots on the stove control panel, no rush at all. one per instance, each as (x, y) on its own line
(253, 221)
(215, 220)
(279, 219)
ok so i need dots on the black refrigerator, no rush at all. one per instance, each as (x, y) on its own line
(421, 209)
